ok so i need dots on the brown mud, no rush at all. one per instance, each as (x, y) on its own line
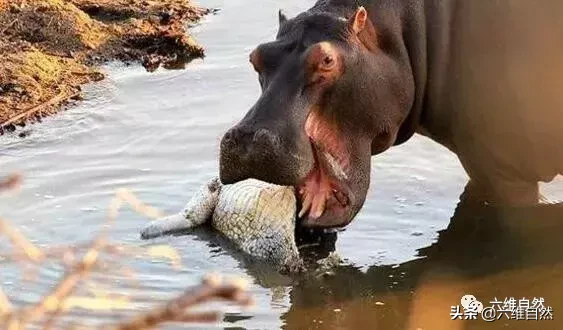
(49, 48)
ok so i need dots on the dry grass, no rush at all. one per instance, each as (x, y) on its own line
(83, 260)
(50, 47)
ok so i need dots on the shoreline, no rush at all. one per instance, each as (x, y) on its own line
(50, 48)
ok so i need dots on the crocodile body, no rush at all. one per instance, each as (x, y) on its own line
(258, 217)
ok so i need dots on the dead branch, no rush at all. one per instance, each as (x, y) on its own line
(59, 98)
(20, 241)
(137, 205)
(175, 310)
(10, 182)
(66, 254)
(53, 301)
(5, 304)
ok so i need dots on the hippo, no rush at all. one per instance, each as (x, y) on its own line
(346, 80)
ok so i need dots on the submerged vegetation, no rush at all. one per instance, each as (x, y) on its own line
(49, 48)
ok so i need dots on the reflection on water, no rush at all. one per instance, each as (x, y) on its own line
(493, 254)
(407, 259)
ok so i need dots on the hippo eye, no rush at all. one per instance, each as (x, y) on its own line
(323, 65)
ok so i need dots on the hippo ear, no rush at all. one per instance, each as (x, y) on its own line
(281, 16)
(357, 22)
(361, 26)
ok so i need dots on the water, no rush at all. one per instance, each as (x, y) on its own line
(158, 135)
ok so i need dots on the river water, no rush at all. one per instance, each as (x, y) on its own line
(158, 134)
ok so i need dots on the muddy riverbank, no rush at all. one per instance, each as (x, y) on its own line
(49, 48)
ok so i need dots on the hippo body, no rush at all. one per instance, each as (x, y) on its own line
(349, 79)
(257, 217)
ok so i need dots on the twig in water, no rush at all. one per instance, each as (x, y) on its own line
(175, 310)
(61, 97)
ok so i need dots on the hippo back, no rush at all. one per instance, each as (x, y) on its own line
(259, 218)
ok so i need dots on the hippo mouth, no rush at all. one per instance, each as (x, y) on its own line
(324, 195)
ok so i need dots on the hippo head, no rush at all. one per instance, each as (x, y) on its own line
(330, 98)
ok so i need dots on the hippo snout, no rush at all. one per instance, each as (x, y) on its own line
(258, 153)
(243, 141)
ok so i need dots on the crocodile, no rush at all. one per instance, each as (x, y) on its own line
(258, 217)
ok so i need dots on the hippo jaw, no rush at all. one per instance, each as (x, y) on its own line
(334, 190)
(326, 199)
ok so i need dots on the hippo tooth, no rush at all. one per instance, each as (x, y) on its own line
(319, 206)
(335, 167)
(306, 205)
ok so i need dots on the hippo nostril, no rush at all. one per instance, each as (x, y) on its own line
(260, 135)
(230, 139)
(243, 142)
(266, 137)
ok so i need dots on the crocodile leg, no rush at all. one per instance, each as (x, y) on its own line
(196, 212)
